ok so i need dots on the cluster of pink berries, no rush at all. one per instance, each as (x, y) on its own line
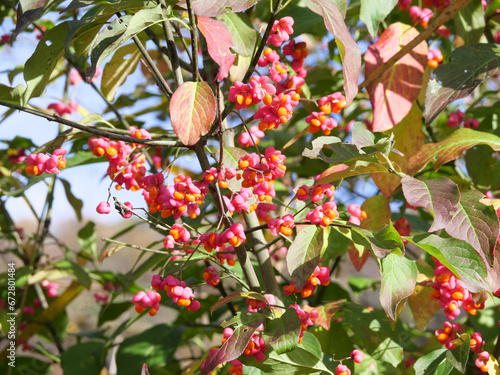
(332, 103)
(183, 197)
(434, 58)
(324, 214)
(320, 276)
(357, 356)
(50, 287)
(74, 76)
(281, 31)
(316, 192)
(449, 333)
(457, 118)
(211, 276)
(176, 289)
(282, 225)
(213, 241)
(356, 214)
(306, 319)
(451, 293)
(260, 173)
(250, 138)
(176, 234)
(42, 162)
(145, 300)
(125, 168)
(319, 120)
(101, 297)
(62, 108)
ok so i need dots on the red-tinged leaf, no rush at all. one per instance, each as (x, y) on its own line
(28, 10)
(409, 138)
(348, 49)
(192, 111)
(421, 305)
(340, 171)
(399, 276)
(392, 94)
(218, 41)
(214, 8)
(235, 296)
(304, 253)
(378, 213)
(232, 348)
(475, 223)
(469, 66)
(358, 255)
(325, 312)
(144, 370)
(439, 195)
(451, 148)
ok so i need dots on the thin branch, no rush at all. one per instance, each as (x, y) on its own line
(90, 129)
(194, 40)
(160, 81)
(172, 50)
(445, 16)
(163, 49)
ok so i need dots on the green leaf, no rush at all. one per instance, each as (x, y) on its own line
(451, 148)
(374, 11)
(305, 359)
(122, 64)
(282, 334)
(399, 276)
(83, 358)
(28, 10)
(155, 346)
(459, 356)
(341, 171)
(94, 118)
(469, 22)
(335, 340)
(337, 245)
(433, 363)
(192, 111)
(119, 32)
(11, 94)
(39, 67)
(468, 67)
(75, 202)
(242, 32)
(304, 254)
(458, 256)
(87, 238)
(80, 273)
(375, 333)
(112, 311)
